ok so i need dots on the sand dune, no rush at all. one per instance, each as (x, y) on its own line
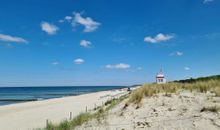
(181, 111)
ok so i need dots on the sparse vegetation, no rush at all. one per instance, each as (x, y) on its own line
(191, 80)
(85, 117)
(147, 90)
(68, 125)
(201, 85)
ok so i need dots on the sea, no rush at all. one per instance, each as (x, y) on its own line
(11, 95)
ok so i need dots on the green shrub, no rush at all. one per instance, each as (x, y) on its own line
(80, 119)
(65, 125)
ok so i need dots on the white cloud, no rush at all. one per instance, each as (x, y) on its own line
(68, 18)
(177, 53)
(186, 68)
(55, 63)
(49, 28)
(89, 24)
(118, 66)
(207, 1)
(158, 38)
(8, 38)
(79, 61)
(85, 43)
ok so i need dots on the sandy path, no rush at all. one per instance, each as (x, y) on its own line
(26, 116)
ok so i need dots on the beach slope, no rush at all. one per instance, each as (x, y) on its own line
(31, 115)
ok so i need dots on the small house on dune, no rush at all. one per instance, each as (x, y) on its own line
(160, 78)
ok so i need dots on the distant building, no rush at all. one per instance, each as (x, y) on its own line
(160, 78)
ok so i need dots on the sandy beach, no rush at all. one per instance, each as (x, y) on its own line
(31, 115)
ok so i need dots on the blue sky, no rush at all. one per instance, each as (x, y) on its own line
(107, 42)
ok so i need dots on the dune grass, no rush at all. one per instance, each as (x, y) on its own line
(85, 117)
(147, 90)
(68, 125)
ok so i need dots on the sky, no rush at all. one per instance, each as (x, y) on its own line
(107, 42)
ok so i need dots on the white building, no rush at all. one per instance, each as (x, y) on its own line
(160, 78)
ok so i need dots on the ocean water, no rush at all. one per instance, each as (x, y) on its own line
(10, 95)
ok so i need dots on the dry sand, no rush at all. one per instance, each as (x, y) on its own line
(30, 115)
(180, 111)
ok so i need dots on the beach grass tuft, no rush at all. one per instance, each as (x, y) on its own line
(148, 90)
(69, 125)
(85, 117)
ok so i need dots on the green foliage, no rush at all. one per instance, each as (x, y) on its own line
(80, 119)
(114, 102)
(69, 125)
(191, 80)
(49, 126)
(65, 125)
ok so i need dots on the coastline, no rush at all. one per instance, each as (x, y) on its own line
(31, 115)
(13, 95)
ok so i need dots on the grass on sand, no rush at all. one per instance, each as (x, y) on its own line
(85, 117)
(212, 85)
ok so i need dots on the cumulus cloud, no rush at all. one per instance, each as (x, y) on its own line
(9, 38)
(49, 28)
(118, 66)
(85, 43)
(177, 53)
(186, 68)
(158, 38)
(79, 61)
(207, 1)
(55, 63)
(89, 24)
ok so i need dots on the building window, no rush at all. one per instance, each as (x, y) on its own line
(160, 80)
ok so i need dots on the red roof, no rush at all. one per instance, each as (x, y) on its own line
(160, 76)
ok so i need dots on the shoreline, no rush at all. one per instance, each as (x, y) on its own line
(33, 114)
(9, 101)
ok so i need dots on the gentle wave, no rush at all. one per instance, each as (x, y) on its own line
(17, 100)
(10, 95)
